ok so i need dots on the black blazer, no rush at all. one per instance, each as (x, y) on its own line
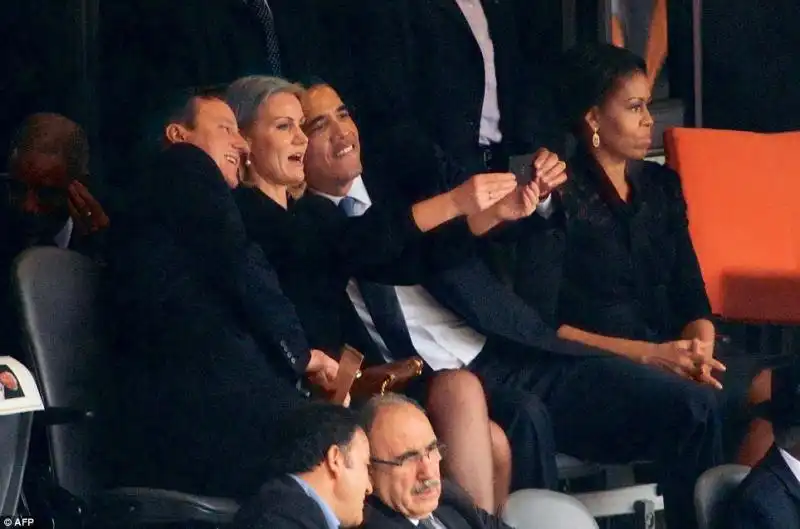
(316, 249)
(768, 498)
(423, 101)
(455, 510)
(209, 340)
(280, 504)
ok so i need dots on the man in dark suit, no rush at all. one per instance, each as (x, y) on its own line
(769, 498)
(466, 318)
(323, 468)
(408, 489)
(212, 352)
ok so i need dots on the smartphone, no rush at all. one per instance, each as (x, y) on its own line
(521, 166)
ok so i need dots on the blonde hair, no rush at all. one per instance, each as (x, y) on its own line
(245, 96)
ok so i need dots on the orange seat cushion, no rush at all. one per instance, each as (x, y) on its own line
(743, 196)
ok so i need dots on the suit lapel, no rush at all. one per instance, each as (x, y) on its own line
(779, 467)
(380, 516)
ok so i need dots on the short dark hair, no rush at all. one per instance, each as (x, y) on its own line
(307, 433)
(178, 106)
(310, 81)
(589, 73)
(54, 133)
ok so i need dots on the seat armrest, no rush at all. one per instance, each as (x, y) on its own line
(55, 415)
(137, 505)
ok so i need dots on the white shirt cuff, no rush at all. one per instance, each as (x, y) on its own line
(545, 207)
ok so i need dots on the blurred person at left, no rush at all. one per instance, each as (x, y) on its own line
(45, 198)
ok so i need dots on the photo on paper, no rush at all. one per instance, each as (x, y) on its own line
(18, 391)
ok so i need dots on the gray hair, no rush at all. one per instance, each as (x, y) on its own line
(375, 404)
(246, 94)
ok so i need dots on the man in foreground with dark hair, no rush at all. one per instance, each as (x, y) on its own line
(323, 468)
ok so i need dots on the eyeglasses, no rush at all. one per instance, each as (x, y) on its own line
(414, 457)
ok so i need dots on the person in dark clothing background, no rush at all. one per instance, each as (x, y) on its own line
(45, 200)
(209, 43)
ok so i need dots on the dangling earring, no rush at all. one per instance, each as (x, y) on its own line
(247, 162)
(595, 139)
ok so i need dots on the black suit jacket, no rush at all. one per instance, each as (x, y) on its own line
(316, 249)
(455, 510)
(280, 504)
(768, 498)
(212, 348)
(423, 101)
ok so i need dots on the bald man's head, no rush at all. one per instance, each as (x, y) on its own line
(46, 143)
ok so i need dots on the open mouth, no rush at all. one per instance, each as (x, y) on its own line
(296, 158)
(232, 159)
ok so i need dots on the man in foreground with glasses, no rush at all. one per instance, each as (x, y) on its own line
(406, 481)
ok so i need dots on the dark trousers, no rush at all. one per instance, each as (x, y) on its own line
(610, 410)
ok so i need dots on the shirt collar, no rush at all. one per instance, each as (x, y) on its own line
(63, 237)
(792, 463)
(330, 518)
(358, 191)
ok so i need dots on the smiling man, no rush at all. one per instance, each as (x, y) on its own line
(405, 472)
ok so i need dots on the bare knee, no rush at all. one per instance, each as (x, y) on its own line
(456, 389)
(501, 448)
(761, 388)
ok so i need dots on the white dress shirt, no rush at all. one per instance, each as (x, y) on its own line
(63, 237)
(489, 131)
(441, 338)
(792, 462)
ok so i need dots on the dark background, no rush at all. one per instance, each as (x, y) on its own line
(751, 59)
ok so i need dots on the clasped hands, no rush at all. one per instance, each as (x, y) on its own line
(690, 358)
(500, 193)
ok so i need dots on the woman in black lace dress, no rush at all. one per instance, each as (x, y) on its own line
(616, 267)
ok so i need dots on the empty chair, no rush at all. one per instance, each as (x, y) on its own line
(68, 352)
(15, 434)
(712, 489)
(545, 509)
(750, 263)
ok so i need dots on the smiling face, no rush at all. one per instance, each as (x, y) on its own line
(215, 131)
(333, 159)
(277, 142)
(623, 120)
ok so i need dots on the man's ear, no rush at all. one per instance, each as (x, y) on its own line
(335, 460)
(176, 133)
